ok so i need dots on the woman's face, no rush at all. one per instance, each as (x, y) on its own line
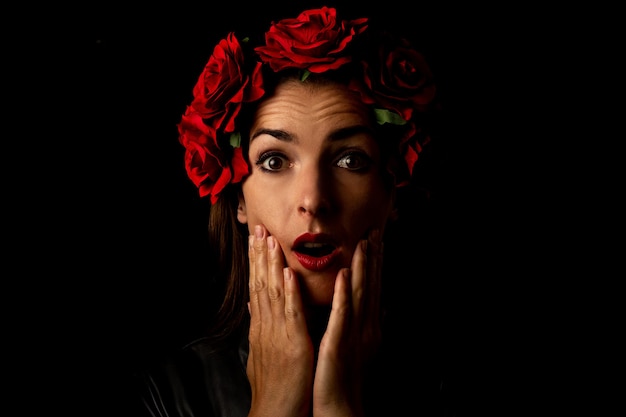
(315, 182)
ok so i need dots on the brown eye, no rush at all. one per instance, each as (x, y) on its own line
(354, 161)
(272, 162)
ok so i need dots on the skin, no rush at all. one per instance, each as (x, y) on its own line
(315, 169)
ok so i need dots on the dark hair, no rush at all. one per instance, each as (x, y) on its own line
(228, 237)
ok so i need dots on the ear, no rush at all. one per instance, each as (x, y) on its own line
(242, 215)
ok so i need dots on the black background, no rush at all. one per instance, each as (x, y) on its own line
(117, 273)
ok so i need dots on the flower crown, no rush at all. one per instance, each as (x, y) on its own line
(391, 76)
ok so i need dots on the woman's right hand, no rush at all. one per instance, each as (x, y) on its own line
(281, 356)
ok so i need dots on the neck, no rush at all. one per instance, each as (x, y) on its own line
(317, 321)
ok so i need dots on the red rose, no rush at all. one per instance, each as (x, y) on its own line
(412, 145)
(209, 167)
(226, 82)
(398, 79)
(313, 41)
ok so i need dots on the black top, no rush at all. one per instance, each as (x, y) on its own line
(206, 380)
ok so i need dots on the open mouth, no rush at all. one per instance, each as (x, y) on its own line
(316, 250)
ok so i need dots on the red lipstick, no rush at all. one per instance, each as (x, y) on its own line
(315, 252)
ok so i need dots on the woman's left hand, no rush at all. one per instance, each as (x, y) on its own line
(353, 334)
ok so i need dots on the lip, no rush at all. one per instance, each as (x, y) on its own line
(315, 263)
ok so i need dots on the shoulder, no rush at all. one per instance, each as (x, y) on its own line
(202, 378)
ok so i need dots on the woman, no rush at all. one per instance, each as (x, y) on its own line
(303, 143)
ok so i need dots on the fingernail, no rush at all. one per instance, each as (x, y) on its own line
(258, 232)
(270, 242)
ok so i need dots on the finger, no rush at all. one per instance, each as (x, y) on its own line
(253, 304)
(340, 314)
(275, 284)
(294, 308)
(253, 307)
(258, 286)
(359, 277)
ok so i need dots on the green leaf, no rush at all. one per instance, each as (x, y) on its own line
(235, 139)
(386, 116)
(305, 75)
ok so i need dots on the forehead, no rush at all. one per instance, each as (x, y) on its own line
(296, 104)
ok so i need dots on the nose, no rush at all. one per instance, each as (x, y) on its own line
(314, 191)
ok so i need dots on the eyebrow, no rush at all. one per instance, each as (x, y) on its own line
(339, 134)
(278, 134)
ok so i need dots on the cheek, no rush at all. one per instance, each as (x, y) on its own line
(262, 207)
(371, 206)
(370, 215)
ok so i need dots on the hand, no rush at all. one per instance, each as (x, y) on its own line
(353, 334)
(280, 361)
(281, 358)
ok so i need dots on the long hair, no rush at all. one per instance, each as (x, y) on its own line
(229, 239)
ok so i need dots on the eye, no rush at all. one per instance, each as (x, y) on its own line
(272, 162)
(354, 161)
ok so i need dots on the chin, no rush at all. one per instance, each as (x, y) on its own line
(317, 293)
